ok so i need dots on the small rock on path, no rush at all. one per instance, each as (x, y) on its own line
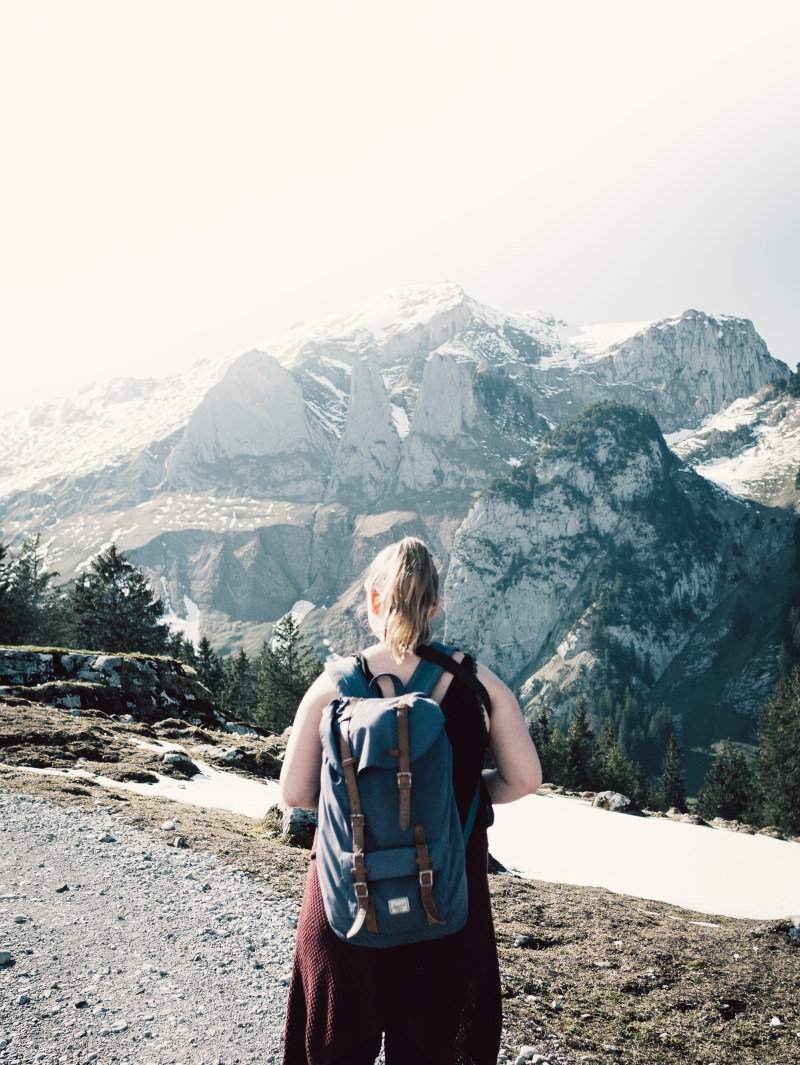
(155, 954)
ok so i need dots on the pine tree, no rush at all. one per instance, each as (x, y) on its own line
(579, 749)
(29, 611)
(539, 729)
(114, 609)
(239, 698)
(5, 595)
(671, 787)
(181, 649)
(285, 669)
(778, 763)
(554, 762)
(612, 770)
(208, 668)
(727, 788)
(627, 717)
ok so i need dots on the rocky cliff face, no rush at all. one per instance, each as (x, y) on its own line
(366, 457)
(684, 369)
(251, 430)
(604, 560)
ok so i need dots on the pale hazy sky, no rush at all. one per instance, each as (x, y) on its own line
(186, 178)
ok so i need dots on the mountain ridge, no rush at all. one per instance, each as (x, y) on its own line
(276, 476)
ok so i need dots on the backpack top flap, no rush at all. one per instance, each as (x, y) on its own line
(373, 729)
(349, 678)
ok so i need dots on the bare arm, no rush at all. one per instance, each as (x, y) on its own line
(303, 760)
(518, 770)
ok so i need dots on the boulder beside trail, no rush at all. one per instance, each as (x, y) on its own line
(611, 800)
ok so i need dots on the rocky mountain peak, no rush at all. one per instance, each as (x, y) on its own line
(257, 411)
(692, 365)
(391, 325)
(366, 458)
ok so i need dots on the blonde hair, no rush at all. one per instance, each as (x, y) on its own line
(406, 579)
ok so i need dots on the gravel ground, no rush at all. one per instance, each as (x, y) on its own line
(124, 948)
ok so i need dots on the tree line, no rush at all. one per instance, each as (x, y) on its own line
(583, 759)
(112, 608)
(763, 791)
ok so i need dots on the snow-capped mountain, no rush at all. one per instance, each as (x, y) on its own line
(424, 386)
(250, 484)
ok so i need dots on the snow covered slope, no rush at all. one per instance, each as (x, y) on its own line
(98, 425)
(751, 448)
(455, 392)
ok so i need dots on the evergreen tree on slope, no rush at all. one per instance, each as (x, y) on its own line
(239, 695)
(114, 608)
(287, 665)
(5, 595)
(208, 667)
(671, 787)
(727, 788)
(579, 749)
(778, 766)
(613, 770)
(29, 612)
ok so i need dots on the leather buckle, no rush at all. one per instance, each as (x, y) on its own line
(401, 779)
(362, 891)
(426, 878)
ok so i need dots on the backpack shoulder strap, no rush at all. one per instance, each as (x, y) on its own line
(442, 656)
(426, 676)
(348, 677)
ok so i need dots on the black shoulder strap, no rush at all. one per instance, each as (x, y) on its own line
(432, 654)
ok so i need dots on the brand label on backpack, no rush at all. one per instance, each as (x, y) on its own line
(399, 906)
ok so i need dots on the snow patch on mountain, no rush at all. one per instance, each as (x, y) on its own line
(751, 448)
(188, 626)
(99, 426)
(597, 339)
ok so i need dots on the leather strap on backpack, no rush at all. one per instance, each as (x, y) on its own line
(403, 767)
(425, 865)
(440, 658)
(403, 756)
(366, 905)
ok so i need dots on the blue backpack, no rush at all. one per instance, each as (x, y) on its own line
(390, 847)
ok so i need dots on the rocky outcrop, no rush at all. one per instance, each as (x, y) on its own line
(602, 560)
(252, 429)
(149, 689)
(365, 461)
(685, 368)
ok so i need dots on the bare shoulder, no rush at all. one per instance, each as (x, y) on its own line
(492, 682)
(322, 690)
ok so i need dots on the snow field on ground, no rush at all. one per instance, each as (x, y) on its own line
(563, 840)
(713, 871)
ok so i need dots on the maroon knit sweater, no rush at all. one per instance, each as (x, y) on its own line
(443, 995)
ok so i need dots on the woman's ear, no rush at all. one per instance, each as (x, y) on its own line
(434, 608)
(374, 601)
